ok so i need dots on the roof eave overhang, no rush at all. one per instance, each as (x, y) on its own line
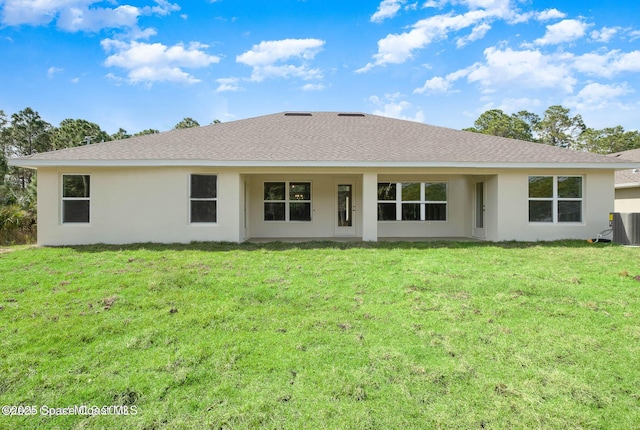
(35, 164)
(628, 185)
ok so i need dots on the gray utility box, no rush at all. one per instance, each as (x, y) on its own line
(626, 228)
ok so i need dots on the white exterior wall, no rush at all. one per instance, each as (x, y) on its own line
(130, 205)
(492, 214)
(627, 200)
(370, 207)
(137, 205)
(323, 206)
(513, 216)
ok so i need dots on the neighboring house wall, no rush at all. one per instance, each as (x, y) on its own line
(627, 199)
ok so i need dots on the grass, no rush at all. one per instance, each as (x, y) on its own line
(324, 335)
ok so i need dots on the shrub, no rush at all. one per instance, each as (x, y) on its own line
(17, 225)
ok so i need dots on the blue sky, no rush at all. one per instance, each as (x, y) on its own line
(148, 64)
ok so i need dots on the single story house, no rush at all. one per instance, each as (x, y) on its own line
(320, 175)
(627, 195)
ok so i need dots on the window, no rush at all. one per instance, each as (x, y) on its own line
(387, 201)
(555, 199)
(287, 201)
(76, 198)
(204, 198)
(412, 201)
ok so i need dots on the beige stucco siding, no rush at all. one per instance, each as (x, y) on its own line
(323, 206)
(151, 204)
(136, 205)
(513, 219)
(627, 199)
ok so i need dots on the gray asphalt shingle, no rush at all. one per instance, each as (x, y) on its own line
(322, 137)
(631, 176)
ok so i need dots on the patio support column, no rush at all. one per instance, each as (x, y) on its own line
(370, 207)
(230, 212)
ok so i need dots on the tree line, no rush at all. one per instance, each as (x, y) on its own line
(557, 127)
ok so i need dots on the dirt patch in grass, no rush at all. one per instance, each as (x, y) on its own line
(108, 302)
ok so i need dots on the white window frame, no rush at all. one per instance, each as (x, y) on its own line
(64, 199)
(287, 201)
(202, 199)
(555, 199)
(422, 201)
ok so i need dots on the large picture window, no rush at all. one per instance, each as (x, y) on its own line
(555, 199)
(287, 201)
(412, 201)
(76, 198)
(204, 198)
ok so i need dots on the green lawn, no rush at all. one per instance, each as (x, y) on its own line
(324, 335)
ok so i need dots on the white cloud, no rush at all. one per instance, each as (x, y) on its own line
(596, 96)
(435, 85)
(533, 69)
(16, 12)
(267, 53)
(162, 8)
(387, 9)
(439, 85)
(287, 71)
(52, 71)
(148, 75)
(314, 87)
(595, 63)
(265, 59)
(398, 48)
(116, 79)
(565, 31)
(477, 33)
(627, 62)
(596, 91)
(136, 33)
(79, 15)
(607, 63)
(155, 62)
(515, 105)
(135, 54)
(228, 85)
(526, 68)
(545, 15)
(390, 106)
(549, 14)
(605, 34)
(84, 19)
(486, 4)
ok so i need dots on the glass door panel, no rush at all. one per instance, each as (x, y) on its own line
(345, 200)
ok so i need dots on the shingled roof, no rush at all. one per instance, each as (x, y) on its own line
(631, 177)
(320, 139)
